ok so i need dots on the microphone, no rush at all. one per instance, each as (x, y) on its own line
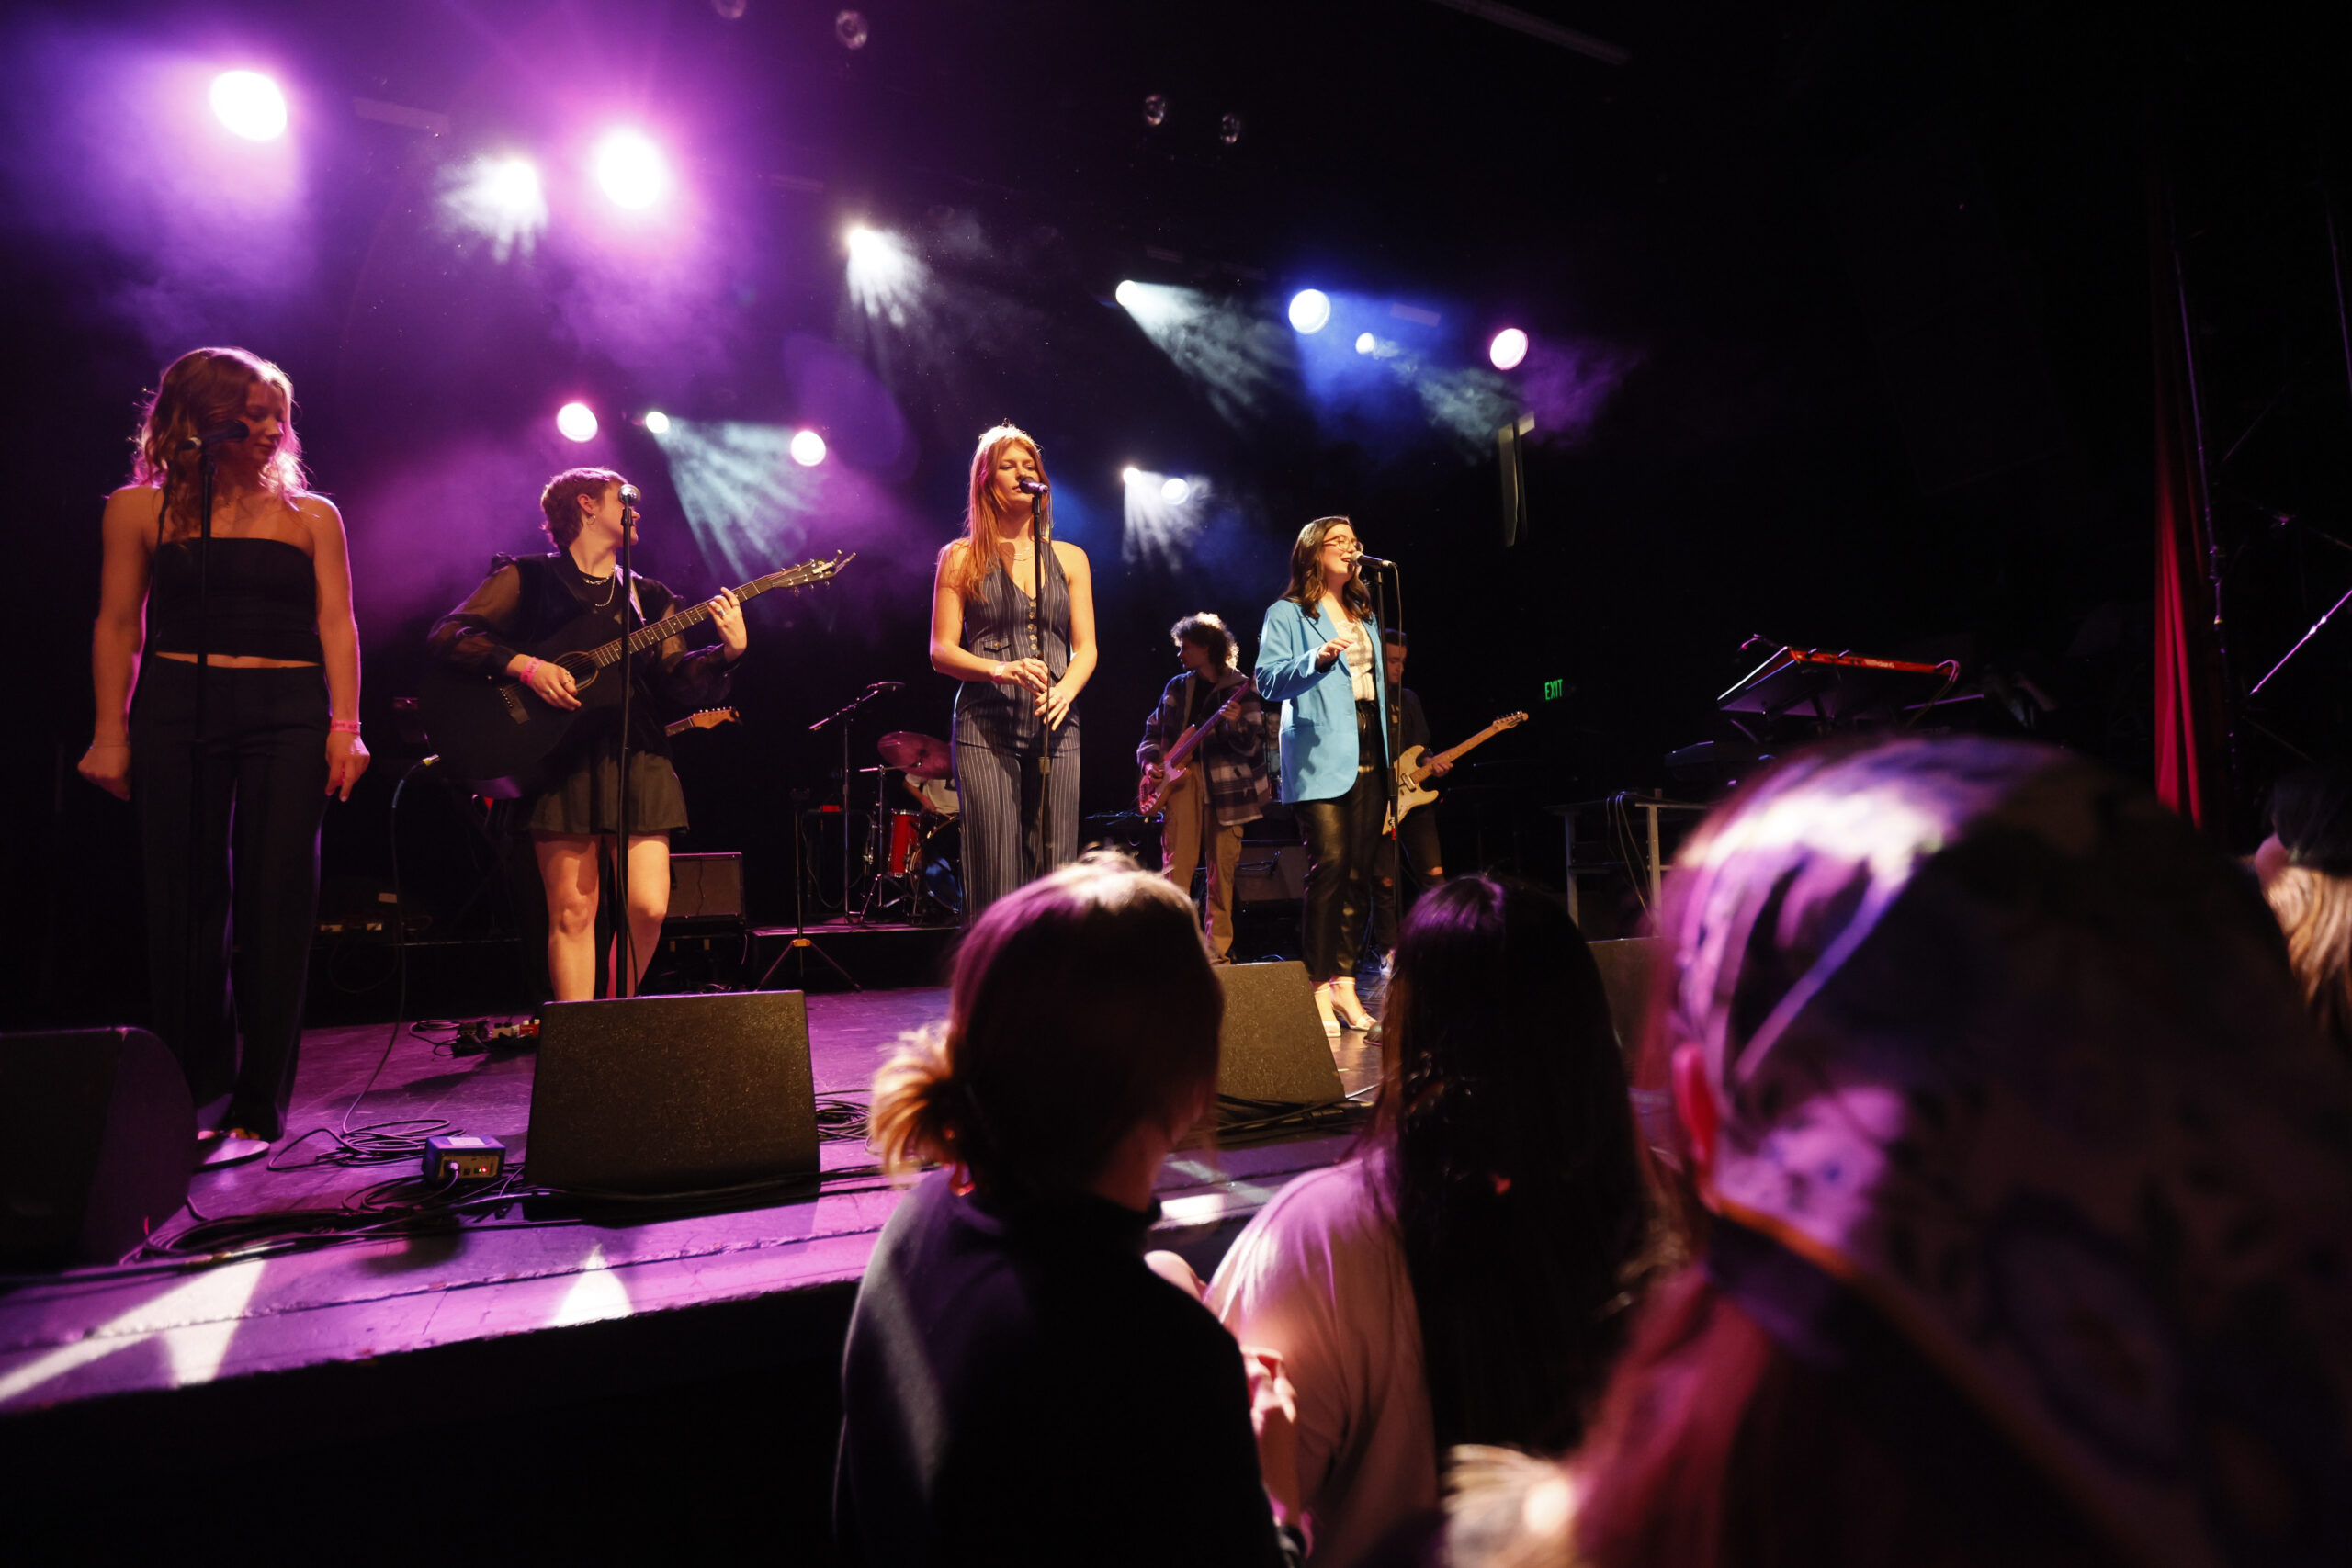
(630, 496)
(1033, 487)
(1372, 561)
(233, 431)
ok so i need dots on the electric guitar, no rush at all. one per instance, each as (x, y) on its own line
(708, 718)
(1151, 798)
(496, 733)
(1411, 769)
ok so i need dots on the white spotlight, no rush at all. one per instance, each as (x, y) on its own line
(497, 199)
(631, 170)
(1366, 343)
(656, 422)
(1173, 491)
(577, 421)
(1129, 294)
(249, 104)
(1310, 310)
(808, 448)
(1507, 349)
(1130, 475)
(885, 278)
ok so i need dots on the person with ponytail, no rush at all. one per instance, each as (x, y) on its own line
(1019, 1385)
(252, 629)
(1464, 1276)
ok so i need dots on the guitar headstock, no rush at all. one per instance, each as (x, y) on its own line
(810, 572)
(1510, 721)
(710, 718)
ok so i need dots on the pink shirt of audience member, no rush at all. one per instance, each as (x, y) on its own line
(1319, 1275)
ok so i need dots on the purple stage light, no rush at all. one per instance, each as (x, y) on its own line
(250, 105)
(1507, 349)
(631, 170)
(808, 448)
(577, 421)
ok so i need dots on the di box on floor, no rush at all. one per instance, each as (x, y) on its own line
(673, 1094)
(96, 1139)
(1273, 1046)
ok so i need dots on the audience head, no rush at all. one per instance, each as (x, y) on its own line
(2306, 868)
(1518, 1189)
(1082, 1005)
(2030, 1188)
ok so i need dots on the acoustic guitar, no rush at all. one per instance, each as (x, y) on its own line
(496, 733)
(1411, 770)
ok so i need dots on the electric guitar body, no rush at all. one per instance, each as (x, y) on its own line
(1413, 772)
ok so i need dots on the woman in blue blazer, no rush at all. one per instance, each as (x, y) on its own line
(1319, 655)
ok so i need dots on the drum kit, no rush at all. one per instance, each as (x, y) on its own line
(914, 868)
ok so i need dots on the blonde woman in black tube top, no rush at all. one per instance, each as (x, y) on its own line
(282, 719)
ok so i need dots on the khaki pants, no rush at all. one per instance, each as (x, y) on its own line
(1186, 821)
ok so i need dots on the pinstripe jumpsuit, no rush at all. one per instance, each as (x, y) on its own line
(997, 738)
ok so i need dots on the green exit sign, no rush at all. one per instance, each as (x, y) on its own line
(1554, 690)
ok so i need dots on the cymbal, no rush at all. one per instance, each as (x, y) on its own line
(918, 756)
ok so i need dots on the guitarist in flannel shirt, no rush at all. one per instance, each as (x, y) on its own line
(1224, 783)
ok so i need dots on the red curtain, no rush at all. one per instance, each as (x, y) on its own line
(2192, 750)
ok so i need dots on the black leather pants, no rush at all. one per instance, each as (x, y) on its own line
(1343, 835)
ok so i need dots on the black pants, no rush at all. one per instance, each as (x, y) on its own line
(1342, 840)
(1395, 884)
(263, 767)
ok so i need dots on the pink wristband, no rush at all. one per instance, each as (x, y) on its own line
(345, 726)
(526, 676)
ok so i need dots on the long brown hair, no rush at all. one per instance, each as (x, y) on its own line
(1082, 1004)
(204, 389)
(987, 524)
(2314, 909)
(1306, 572)
(1514, 1184)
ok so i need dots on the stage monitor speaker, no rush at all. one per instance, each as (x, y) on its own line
(673, 1094)
(1273, 1046)
(97, 1135)
(1626, 967)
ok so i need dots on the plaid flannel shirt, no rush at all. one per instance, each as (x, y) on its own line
(1234, 752)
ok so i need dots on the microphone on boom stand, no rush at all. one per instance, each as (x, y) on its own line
(1372, 561)
(234, 430)
(1033, 487)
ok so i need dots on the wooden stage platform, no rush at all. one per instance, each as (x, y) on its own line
(543, 1382)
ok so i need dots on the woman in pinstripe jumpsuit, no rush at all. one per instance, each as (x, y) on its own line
(1015, 695)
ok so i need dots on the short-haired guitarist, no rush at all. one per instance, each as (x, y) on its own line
(574, 817)
(1422, 866)
(1223, 783)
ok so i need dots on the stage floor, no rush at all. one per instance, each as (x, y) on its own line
(99, 1337)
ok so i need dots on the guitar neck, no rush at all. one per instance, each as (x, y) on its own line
(1429, 764)
(1184, 748)
(655, 633)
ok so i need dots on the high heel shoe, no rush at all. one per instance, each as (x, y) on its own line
(1323, 1008)
(1348, 1011)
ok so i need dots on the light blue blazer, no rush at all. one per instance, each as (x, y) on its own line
(1319, 706)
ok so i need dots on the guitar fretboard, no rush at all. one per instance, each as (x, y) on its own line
(655, 633)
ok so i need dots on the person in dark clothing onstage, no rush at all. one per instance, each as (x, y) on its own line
(574, 820)
(1422, 865)
(1020, 1385)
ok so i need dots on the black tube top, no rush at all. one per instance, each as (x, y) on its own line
(264, 600)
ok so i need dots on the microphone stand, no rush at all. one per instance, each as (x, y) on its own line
(627, 946)
(1040, 542)
(1392, 709)
(198, 863)
(801, 942)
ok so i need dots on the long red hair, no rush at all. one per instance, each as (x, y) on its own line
(986, 521)
(204, 389)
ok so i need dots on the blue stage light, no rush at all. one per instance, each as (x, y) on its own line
(1310, 310)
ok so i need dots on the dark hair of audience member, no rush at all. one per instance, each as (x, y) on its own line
(1082, 1004)
(1518, 1192)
